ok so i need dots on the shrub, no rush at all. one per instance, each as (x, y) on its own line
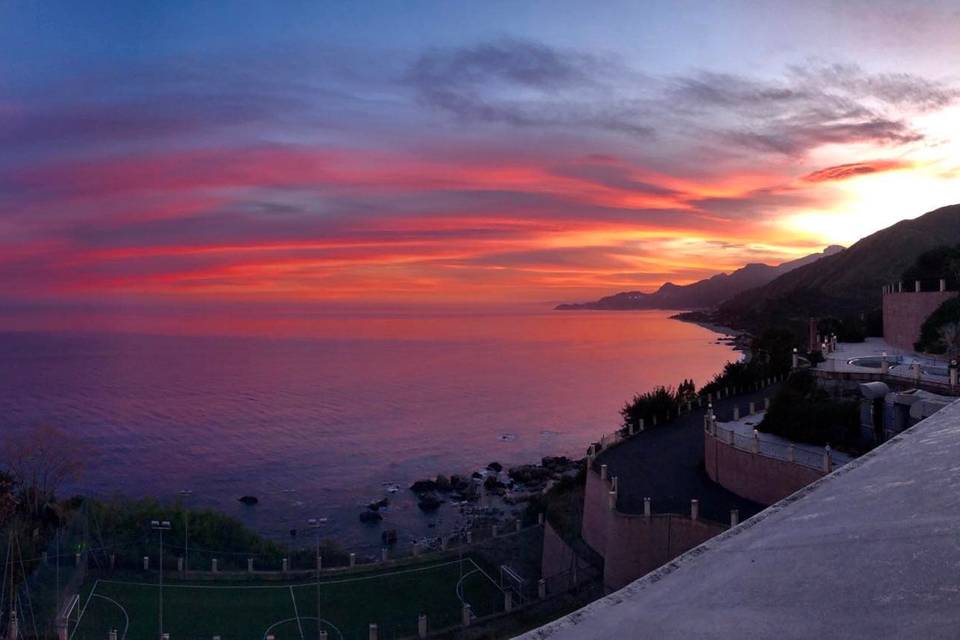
(803, 412)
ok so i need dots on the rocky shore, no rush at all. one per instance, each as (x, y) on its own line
(489, 496)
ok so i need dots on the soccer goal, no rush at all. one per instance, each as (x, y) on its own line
(512, 581)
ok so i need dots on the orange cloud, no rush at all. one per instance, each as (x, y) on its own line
(853, 169)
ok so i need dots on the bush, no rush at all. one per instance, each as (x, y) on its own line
(803, 412)
(662, 402)
(940, 333)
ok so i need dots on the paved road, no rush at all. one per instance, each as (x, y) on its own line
(665, 463)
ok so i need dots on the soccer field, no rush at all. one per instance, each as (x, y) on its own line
(250, 611)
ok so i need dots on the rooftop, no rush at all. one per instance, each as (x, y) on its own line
(868, 551)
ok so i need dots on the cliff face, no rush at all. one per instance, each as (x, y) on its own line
(847, 282)
(703, 294)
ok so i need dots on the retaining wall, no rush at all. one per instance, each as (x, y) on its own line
(754, 476)
(633, 545)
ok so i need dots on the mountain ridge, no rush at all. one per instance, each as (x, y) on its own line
(703, 294)
(847, 283)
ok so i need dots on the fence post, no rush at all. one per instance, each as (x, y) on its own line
(249, 565)
(285, 565)
(508, 601)
(466, 615)
(642, 426)
(736, 413)
(383, 554)
(734, 517)
(353, 559)
(179, 565)
(541, 588)
(603, 472)
(827, 461)
(791, 454)
(422, 626)
(694, 509)
(374, 631)
(646, 507)
(756, 441)
(612, 500)
(213, 565)
(753, 408)
(146, 563)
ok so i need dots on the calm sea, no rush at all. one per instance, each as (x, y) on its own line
(318, 426)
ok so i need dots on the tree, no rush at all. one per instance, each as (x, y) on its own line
(42, 459)
(8, 498)
(939, 332)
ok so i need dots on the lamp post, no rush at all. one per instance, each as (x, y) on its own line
(315, 523)
(184, 495)
(161, 526)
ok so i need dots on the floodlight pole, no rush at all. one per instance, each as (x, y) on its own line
(315, 523)
(161, 526)
(186, 493)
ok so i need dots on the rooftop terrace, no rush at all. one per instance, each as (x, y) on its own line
(868, 551)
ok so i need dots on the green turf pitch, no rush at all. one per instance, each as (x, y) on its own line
(248, 611)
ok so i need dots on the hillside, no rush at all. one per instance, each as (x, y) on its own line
(702, 294)
(847, 283)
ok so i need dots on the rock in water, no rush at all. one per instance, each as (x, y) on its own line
(429, 503)
(249, 500)
(422, 486)
(370, 517)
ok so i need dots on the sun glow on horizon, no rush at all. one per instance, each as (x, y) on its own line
(479, 169)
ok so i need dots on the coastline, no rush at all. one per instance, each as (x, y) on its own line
(738, 340)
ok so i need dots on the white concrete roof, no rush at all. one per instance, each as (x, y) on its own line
(870, 551)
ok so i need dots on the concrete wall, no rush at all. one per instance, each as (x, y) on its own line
(638, 544)
(904, 314)
(558, 557)
(754, 476)
(595, 512)
(633, 545)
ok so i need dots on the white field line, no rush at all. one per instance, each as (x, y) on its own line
(296, 613)
(460, 584)
(84, 609)
(319, 622)
(123, 610)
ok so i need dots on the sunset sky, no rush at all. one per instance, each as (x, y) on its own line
(286, 155)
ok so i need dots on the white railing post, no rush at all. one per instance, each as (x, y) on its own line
(694, 509)
(646, 507)
(827, 461)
